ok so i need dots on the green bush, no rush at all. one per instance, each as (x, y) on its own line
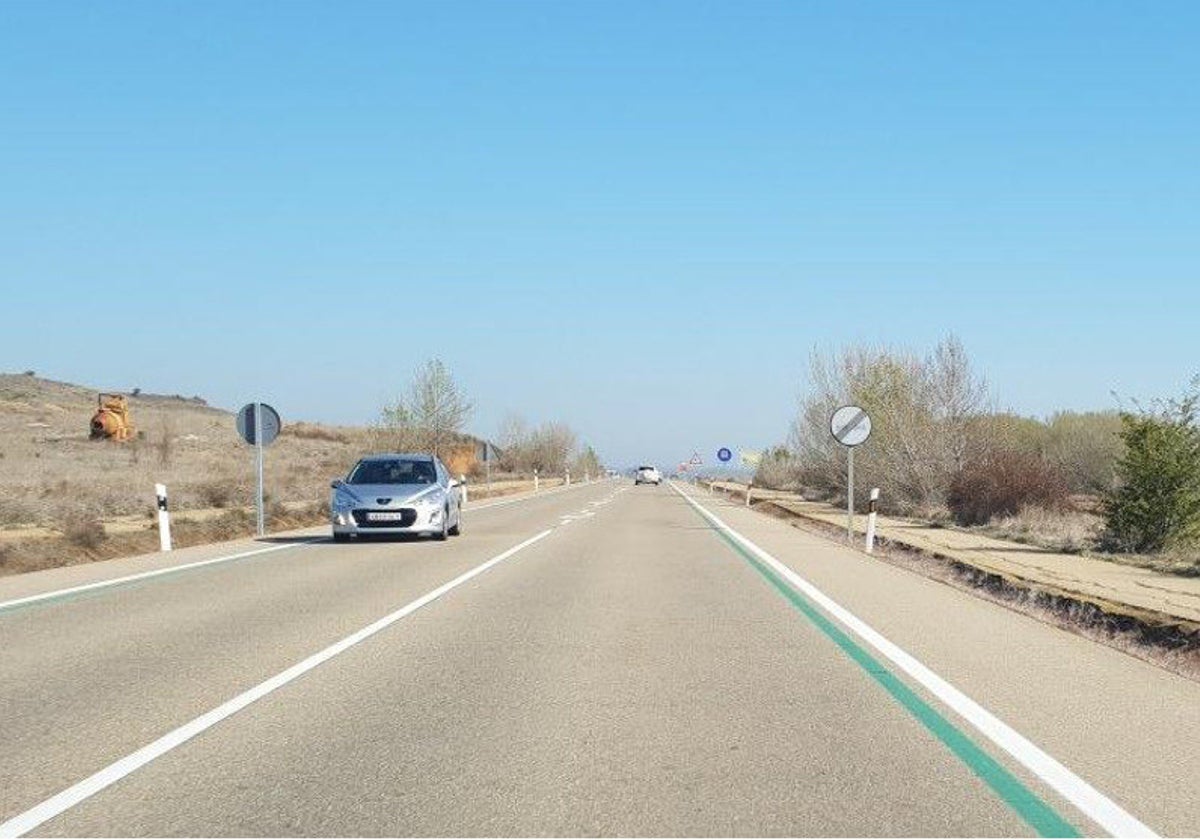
(1156, 504)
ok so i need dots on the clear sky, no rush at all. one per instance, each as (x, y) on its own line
(636, 217)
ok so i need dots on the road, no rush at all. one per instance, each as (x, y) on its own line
(602, 659)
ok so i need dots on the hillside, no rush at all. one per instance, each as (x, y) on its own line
(53, 475)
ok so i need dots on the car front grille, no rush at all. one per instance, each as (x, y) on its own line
(407, 518)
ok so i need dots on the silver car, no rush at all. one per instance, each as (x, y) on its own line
(396, 494)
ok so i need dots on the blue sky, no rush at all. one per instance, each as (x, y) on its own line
(639, 218)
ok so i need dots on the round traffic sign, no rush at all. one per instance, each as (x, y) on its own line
(269, 421)
(724, 454)
(850, 425)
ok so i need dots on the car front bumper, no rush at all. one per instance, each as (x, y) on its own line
(358, 522)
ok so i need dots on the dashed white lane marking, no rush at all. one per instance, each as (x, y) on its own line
(72, 796)
(241, 555)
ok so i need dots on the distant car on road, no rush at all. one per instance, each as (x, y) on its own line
(647, 475)
(396, 494)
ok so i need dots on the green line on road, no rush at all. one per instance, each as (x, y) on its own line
(1040, 816)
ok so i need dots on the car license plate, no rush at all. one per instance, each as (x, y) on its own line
(378, 516)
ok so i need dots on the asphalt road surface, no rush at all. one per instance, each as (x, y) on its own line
(606, 659)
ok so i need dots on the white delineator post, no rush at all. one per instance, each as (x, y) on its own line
(164, 518)
(462, 484)
(871, 520)
(568, 478)
(748, 486)
(535, 481)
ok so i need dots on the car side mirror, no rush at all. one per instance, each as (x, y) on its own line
(454, 482)
(336, 483)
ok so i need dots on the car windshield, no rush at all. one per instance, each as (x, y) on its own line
(393, 471)
(645, 469)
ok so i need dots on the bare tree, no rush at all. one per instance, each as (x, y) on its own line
(431, 414)
(922, 412)
(513, 441)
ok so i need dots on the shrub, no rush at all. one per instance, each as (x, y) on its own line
(1156, 504)
(215, 494)
(1002, 483)
(1086, 446)
(777, 470)
(311, 431)
(86, 532)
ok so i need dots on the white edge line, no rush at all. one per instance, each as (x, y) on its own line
(80, 791)
(101, 584)
(1095, 805)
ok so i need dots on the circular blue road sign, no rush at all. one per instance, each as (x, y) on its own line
(724, 454)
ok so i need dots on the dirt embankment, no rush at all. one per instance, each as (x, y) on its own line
(1144, 612)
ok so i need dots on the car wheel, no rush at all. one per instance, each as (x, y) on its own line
(341, 537)
(441, 535)
(457, 529)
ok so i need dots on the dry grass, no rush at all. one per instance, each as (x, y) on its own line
(1078, 531)
(66, 550)
(311, 431)
(58, 488)
(53, 473)
(1066, 531)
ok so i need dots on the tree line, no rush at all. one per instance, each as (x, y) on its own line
(431, 415)
(940, 447)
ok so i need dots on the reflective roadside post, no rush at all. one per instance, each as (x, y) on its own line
(871, 520)
(535, 481)
(164, 518)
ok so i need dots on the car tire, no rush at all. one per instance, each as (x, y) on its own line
(457, 529)
(443, 535)
(341, 537)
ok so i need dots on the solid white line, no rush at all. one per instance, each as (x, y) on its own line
(1097, 806)
(101, 584)
(118, 770)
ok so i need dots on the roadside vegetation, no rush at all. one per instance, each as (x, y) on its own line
(65, 498)
(1122, 482)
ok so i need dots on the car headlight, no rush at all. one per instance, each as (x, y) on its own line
(434, 500)
(343, 501)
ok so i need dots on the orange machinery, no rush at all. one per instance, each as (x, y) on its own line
(111, 420)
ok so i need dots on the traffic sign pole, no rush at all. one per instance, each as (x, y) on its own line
(850, 426)
(258, 453)
(259, 425)
(850, 495)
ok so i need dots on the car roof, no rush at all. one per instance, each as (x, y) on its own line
(388, 456)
